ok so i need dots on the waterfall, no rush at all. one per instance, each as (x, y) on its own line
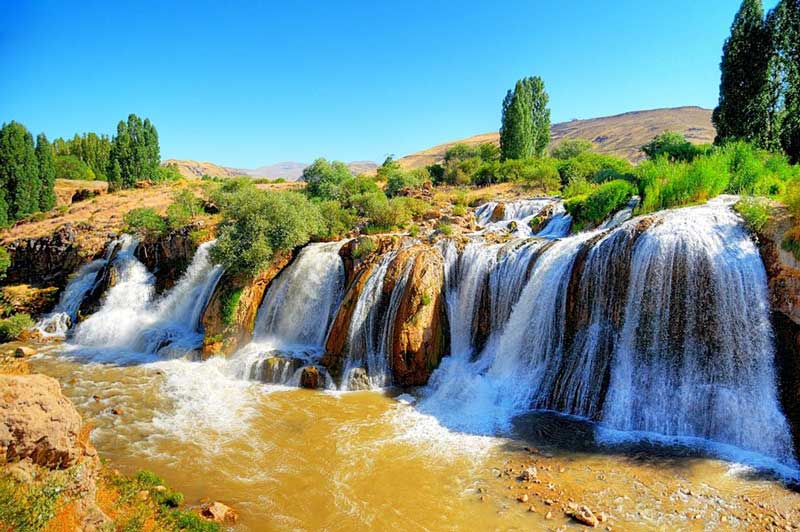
(517, 216)
(659, 325)
(131, 321)
(300, 303)
(294, 317)
(622, 215)
(372, 325)
(58, 322)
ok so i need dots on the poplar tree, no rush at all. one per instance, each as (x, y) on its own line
(785, 26)
(47, 173)
(743, 110)
(525, 129)
(19, 170)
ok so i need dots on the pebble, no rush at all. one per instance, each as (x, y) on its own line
(523, 498)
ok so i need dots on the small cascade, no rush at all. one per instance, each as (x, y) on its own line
(294, 317)
(558, 225)
(131, 320)
(622, 215)
(515, 216)
(658, 325)
(371, 328)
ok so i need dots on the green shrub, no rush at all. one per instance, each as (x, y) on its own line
(257, 224)
(383, 213)
(229, 304)
(12, 327)
(399, 180)
(569, 148)
(459, 210)
(577, 186)
(145, 222)
(364, 247)
(30, 506)
(169, 172)
(791, 241)
(337, 221)
(324, 178)
(71, 167)
(5, 262)
(184, 209)
(191, 522)
(445, 228)
(413, 231)
(754, 211)
(674, 146)
(599, 204)
(588, 165)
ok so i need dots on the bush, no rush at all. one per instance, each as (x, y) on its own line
(169, 172)
(324, 178)
(363, 247)
(12, 327)
(599, 204)
(5, 262)
(754, 211)
(257, 224)
(461, 171)
(593, 167)
(577, 186)
(185, 208)
(673, 146)
(398, 180)
(70, 167)
(445, 228)
(569, 148)
(145, 222)
(383, 214)
(229, 304)
(337, 220)
(459, 210)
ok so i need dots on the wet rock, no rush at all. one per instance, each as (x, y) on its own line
(498, 213)
(584, 516)
(24, 351)
(117, 411)
(512, 226)
(529, 474)
(45, 261)
(311, 378)
(523, 498)
(358, 380)
(168, 256)
(37, 422)
(219, 512)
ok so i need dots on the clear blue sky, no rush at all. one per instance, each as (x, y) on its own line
(250, 83)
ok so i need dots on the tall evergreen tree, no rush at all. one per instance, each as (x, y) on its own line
(19, 170)
(47, 173)
(135, 153)
(743, 110)
(525, 129)
(540, 115)
(785, 24)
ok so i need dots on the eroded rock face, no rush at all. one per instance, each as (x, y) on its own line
(230, 315)
(46, 261)
(783, 277)
(419, 336)
(37, 422)
(168, 256)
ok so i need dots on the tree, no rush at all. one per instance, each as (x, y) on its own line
(47, 173)
(743, 110)
(19, 170)
(785, 31)
(672, 144)
(135, 150)
(525, 129)
(323, 179)
(570, 148)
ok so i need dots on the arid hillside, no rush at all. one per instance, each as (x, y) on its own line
(288, 170)
(621, 135)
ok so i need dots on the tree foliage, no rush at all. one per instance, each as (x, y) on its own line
(47, 173)
(135, 154)
(525, 129)
(19, 171)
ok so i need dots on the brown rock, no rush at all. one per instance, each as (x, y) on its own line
(311, 378)
(37, 422)
(523, 498)
(585, 516)
(117, 411)
(498, 213)
(528, 475)
(24, 351)
(219, 512)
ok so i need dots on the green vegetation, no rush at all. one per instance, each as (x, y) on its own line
(754, 211)
(23, 188)
(570, 148)
(759, 96)
(30, 507)
(47, 173)
(363, 247)
(91, 149)
(70, 167)
(445, 228)
(145, 222)
(674, 146)
(135, 154)
(11, 328)
(525, 130)
(185, 208)
(5, 262)
(597, 205)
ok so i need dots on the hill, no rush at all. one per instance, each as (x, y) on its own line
(621, 135)
(288, 170)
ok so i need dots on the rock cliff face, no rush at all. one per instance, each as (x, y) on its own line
(230, 315)
(46, 261)
(419, 329)
(783, 275)
(168, 256)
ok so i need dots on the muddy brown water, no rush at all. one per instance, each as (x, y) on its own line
(305, 460)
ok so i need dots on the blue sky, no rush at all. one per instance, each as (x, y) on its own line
(251, 83)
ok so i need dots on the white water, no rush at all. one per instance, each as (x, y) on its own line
(58, 322)
(132, 322)
(521, 212)
(294, 317)
(682, 346)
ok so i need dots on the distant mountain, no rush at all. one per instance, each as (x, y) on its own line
(621, 135)
(288, 170)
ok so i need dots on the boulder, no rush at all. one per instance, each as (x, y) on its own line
(24, 351)
(45, 261)
(168, 256)
(312, 378)
(358, 379)
(219, 512)
(37, 422)
(498, 213)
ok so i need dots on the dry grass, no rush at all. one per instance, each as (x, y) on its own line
(620, 135)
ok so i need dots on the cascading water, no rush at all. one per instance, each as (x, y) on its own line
(132, 322)
(371, 326)
(517, 215)
(58, 322)
(294, 317)
(660, 325)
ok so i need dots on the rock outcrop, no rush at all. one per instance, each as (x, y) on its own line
(168, 256)
(230, 315)
(783, 277)
(38, 423)
(45, 261)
